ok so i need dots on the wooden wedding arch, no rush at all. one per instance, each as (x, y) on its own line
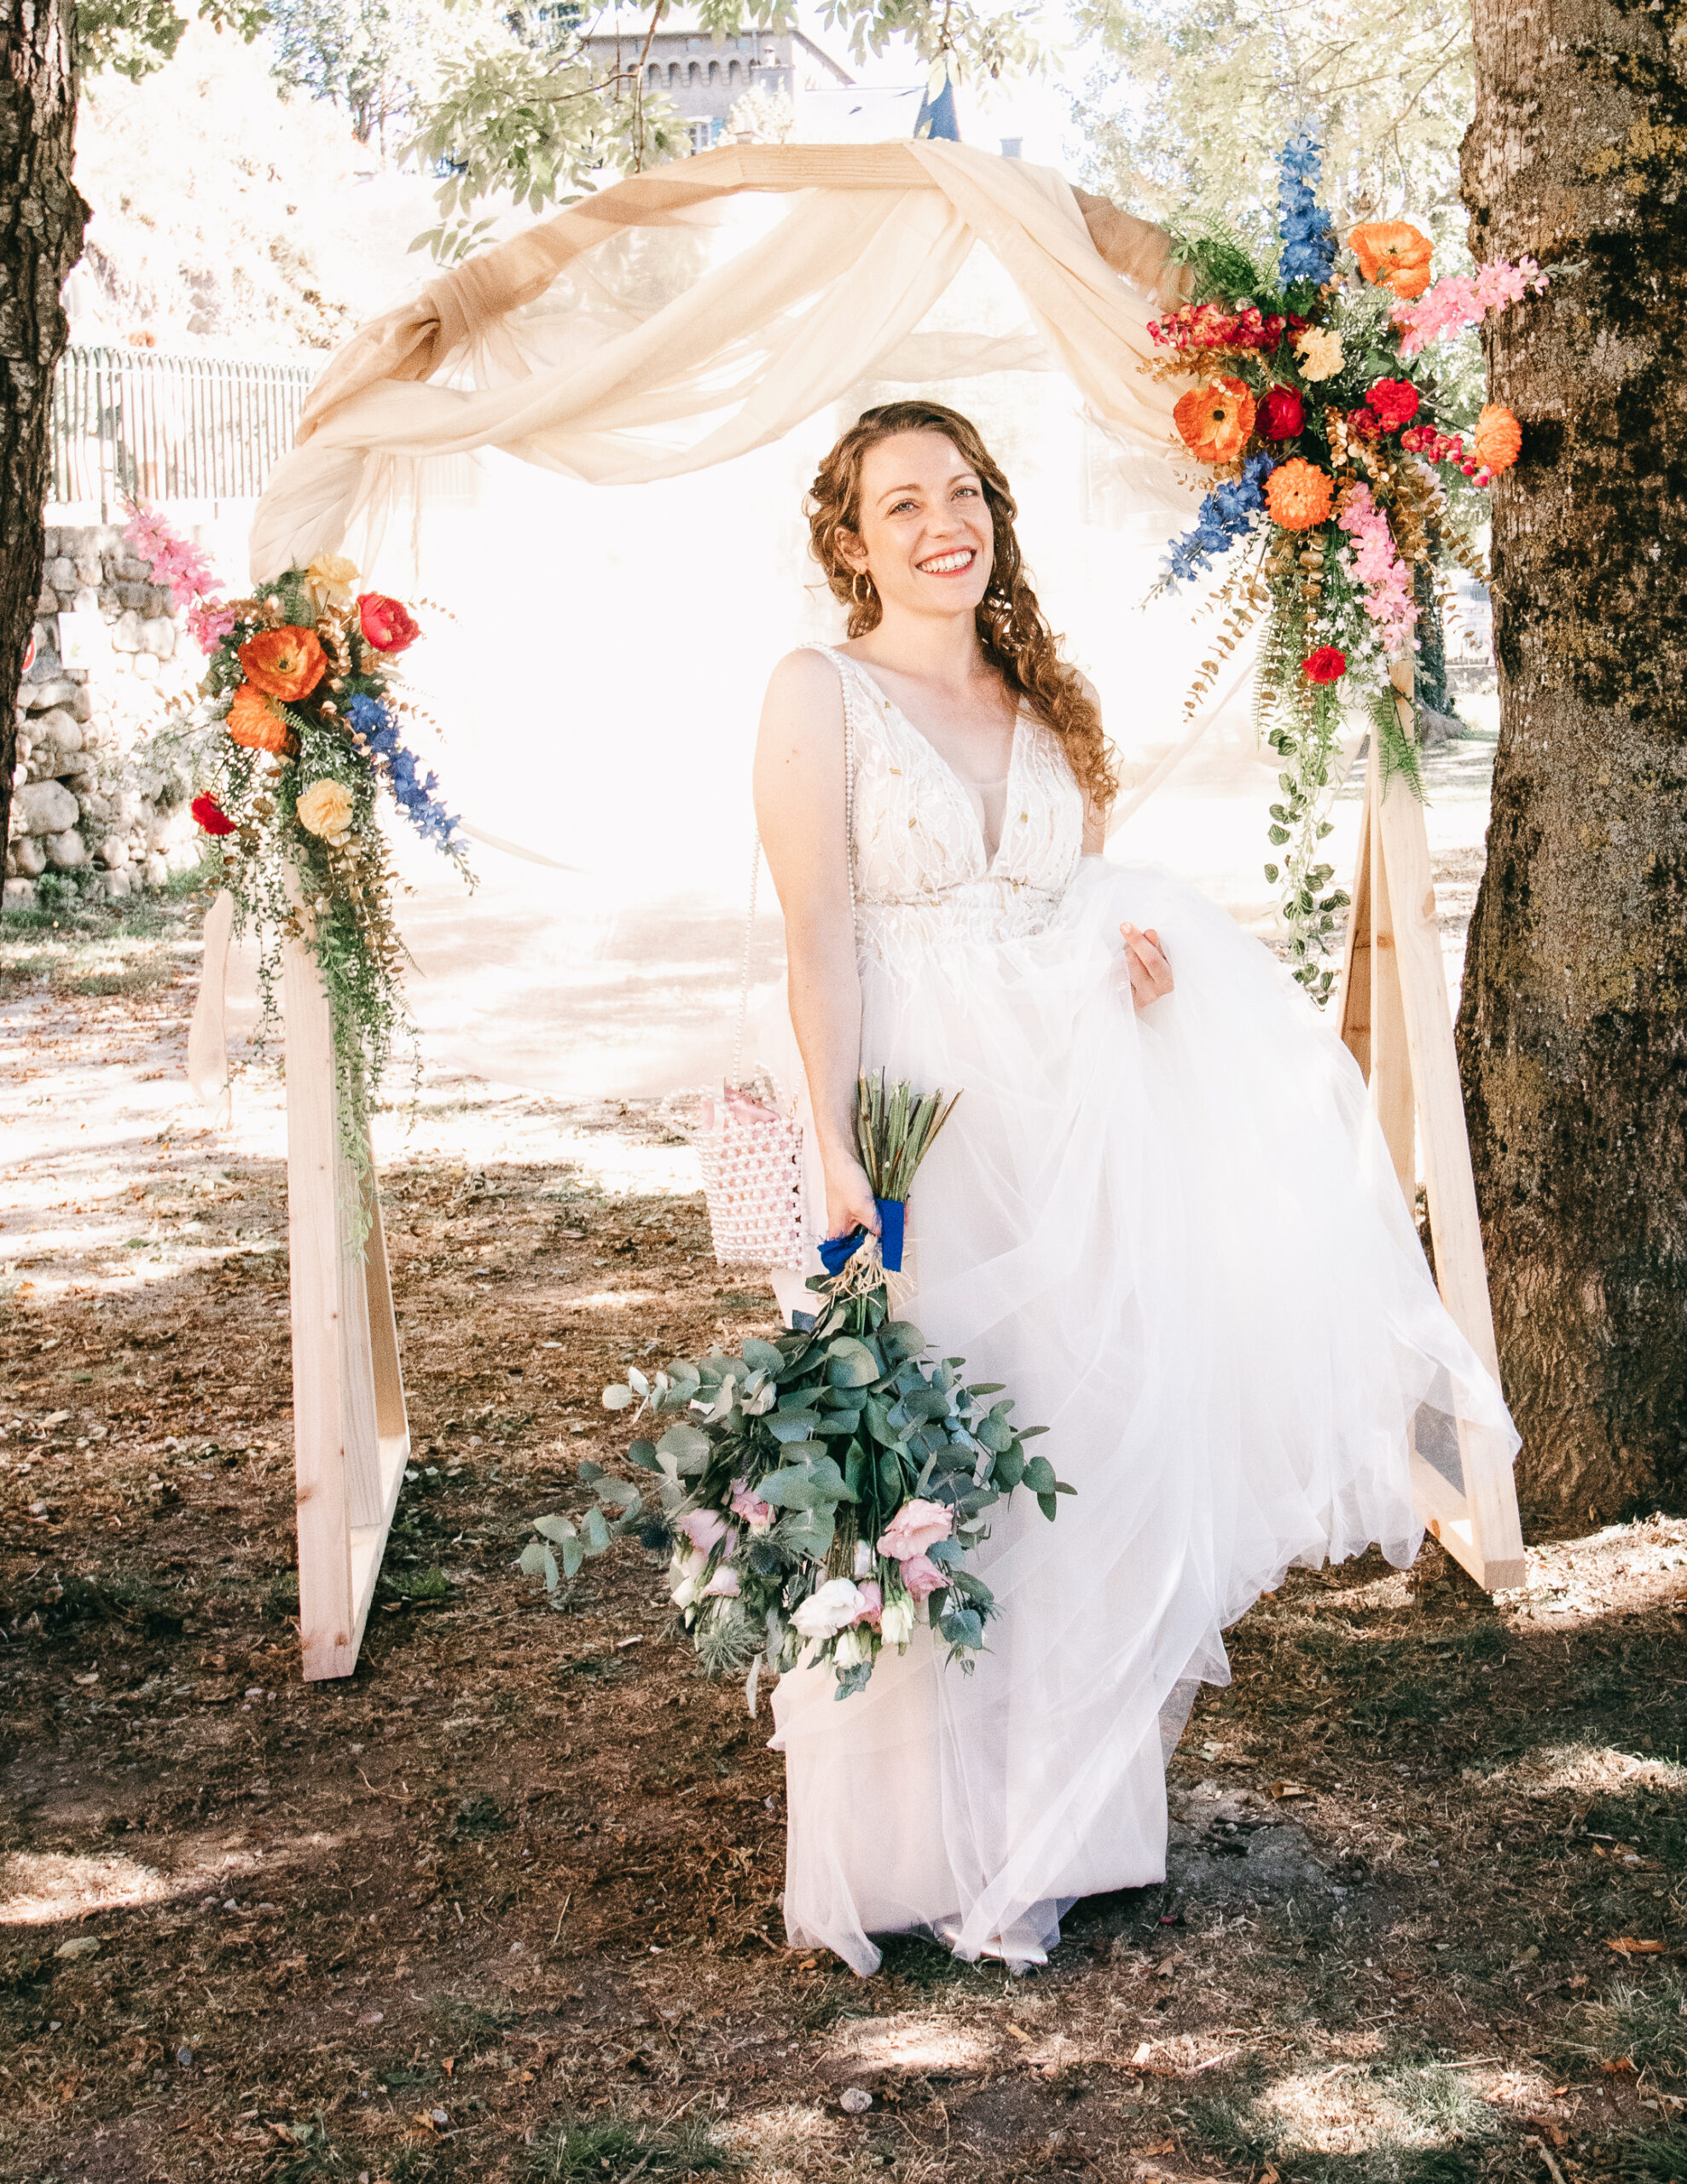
(351, 1439)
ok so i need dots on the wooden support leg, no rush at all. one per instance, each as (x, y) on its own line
(350, 1440)
(1495, 1556)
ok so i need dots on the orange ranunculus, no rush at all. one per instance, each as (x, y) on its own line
(1216, 420)
(1395, 255)
(254, 722)
(1498, 438)
(286, 664)
(1297, 495)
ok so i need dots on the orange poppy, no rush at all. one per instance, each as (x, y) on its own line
(1498, 438)
(1393, 254)
(254, 722)
(1297, 495)
(1216, 420)
(286, 664)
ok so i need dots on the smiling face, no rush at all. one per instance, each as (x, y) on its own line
(925, 534)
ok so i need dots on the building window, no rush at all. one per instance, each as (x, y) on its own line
(703, 135)
(673, 73)
(734, 73)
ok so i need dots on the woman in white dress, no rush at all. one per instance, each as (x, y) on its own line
(1162, 1214)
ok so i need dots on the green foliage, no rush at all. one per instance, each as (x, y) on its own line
(372, 57)
(611, 2150)
(133, 37)
(1194, 99)
(534, 117)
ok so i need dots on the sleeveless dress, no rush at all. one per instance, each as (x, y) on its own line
(1177, 1237)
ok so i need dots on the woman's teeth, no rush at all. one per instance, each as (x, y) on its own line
(947, 564)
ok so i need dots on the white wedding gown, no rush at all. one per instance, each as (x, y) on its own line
(1177, 1237)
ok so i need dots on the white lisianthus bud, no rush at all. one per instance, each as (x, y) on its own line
(854, 1647)
(685, 1576)
(895, 1624)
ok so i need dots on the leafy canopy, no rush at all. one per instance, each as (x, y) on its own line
(1194, 99)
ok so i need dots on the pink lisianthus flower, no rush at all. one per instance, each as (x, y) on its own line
(724, 1585)
(922, 1577)
(915, 1526)
(706, 1528)
(755, 1512)
(872, 1603)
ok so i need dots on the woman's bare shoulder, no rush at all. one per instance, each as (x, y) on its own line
(805, 681)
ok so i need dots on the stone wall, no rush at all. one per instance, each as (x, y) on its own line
(86, 804)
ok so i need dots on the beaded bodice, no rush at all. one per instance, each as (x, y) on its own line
(922, 876)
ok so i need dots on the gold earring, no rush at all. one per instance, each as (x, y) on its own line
(858, 594)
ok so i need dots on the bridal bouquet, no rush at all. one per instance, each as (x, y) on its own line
(297, 730)
(818, 1493)
(1342, 467)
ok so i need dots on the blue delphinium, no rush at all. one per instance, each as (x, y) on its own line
(1228, 513)
(1308, 239)
(412, 794)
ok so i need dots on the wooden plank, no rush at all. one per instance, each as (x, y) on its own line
(351, 1435)
(326, 1621)
(1490, 1491)
(1390, 1074)
(1356, 956)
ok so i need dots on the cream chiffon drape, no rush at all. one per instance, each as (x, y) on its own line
(588, 346)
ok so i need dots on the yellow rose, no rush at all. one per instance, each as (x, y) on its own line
(325, 809)
(1319, 353)
(329, 579)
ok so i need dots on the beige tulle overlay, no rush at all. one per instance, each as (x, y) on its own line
(611, 345)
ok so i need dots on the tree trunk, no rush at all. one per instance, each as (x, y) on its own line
(41, 222)
(1572, 1031)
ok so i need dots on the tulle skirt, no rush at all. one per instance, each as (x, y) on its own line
(1177, 1238)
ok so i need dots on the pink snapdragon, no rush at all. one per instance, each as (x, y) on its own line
(187, 570)
(1387, 581)
(1465, 300)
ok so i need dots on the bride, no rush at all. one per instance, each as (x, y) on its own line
(1162, 1215)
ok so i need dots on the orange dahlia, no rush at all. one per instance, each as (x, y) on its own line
(1216, 420)
(1395, 255)
(286, 664)
(254, 722)
(1498, 438)
(1297, 495)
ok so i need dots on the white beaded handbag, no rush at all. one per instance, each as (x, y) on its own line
(752, 1155)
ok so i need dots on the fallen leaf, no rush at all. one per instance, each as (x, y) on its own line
(1290, 1790)
(83, 1945)
(1629, 1947)
(1162, 2145)
(1018, 2035)
(449, 2064)
(1620, 2066)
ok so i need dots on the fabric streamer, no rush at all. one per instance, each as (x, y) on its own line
(544, 346)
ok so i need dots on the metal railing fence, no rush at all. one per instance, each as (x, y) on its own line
(136, 424)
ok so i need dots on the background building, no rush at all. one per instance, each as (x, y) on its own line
(705, 81)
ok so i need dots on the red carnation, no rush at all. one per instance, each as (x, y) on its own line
(212, 817)
(1284, 414)
(384, 623)
(1394, 401)
(1327, 664)
(1364, 424)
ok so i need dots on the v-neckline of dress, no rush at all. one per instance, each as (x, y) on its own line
(989, 861)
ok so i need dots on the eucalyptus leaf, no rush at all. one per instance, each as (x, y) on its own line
(573, 1554)
(553, 1528)
(597, 1531)
(618, 1397)
(1040, 1475)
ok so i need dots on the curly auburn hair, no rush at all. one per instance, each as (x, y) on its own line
(1013, 630)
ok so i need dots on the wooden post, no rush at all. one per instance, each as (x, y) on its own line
(351, 1436)
(1395, 1020)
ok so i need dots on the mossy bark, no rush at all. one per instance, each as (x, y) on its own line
(41, 222)
(1572, 1031)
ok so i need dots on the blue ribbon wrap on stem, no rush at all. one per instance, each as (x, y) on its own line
(835, 1252)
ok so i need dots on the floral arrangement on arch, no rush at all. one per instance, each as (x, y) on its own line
(1341, 469)
(296, 733)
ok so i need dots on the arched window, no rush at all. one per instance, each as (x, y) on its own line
(696, 73)
(714, 72)
(673, 72)
(734, 73)
(655, 75)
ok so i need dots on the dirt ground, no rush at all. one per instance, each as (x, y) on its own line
(504, 1905)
